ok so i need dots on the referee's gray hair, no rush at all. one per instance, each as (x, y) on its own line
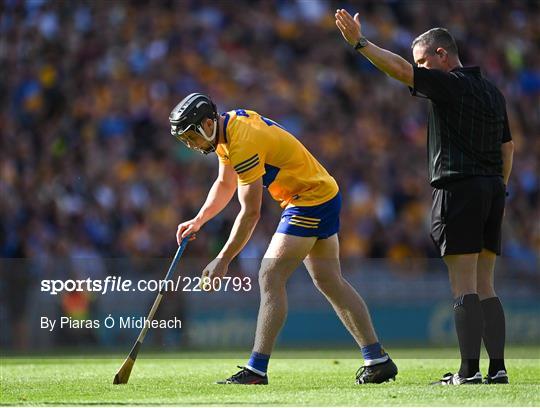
(435, 38)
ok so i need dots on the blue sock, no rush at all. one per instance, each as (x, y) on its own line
(374, 354)
(258, 363)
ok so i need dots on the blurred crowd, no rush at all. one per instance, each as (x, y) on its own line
(88, 167)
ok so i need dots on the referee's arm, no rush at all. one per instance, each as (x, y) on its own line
(388, 62)
(391, 64)
(507, 150)
(507, 159)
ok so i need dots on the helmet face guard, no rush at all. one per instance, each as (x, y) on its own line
(186, 119)
(192, 134)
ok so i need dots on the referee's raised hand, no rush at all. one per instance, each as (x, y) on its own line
(350, 28)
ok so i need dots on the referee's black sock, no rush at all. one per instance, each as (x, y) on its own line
(469, 323)
(494, 333)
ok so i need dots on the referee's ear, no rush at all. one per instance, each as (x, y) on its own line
(441, 52)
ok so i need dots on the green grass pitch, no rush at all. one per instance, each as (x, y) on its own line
(187, 379)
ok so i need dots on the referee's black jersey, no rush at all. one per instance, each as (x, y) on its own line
(467, 123)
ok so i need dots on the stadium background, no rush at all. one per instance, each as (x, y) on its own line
(92, 183)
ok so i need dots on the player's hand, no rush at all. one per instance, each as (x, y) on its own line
(350, 28)
(188, 227)
(218, 268)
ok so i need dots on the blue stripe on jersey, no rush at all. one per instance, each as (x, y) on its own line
(225, 123)
(241, 112)
(270, 175)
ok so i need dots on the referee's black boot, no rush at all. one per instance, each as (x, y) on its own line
(500, 378)
(377, 373)
(456, 379)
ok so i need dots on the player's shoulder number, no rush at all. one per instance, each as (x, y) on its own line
(269, 122)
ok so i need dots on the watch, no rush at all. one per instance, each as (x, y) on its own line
(362, 42)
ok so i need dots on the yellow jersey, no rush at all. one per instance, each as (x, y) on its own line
(258, 147)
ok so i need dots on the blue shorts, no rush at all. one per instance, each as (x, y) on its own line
(321, 221)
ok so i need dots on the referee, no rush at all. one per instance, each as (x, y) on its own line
(470, 152)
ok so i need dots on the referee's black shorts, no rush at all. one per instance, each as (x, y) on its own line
(466, 215)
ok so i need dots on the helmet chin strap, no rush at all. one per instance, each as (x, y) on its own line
(211, 139)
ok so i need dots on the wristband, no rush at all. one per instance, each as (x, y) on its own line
(362, 42)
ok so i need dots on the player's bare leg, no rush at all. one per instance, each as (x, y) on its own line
(494, 333)
(282, 257)
(324, 268)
